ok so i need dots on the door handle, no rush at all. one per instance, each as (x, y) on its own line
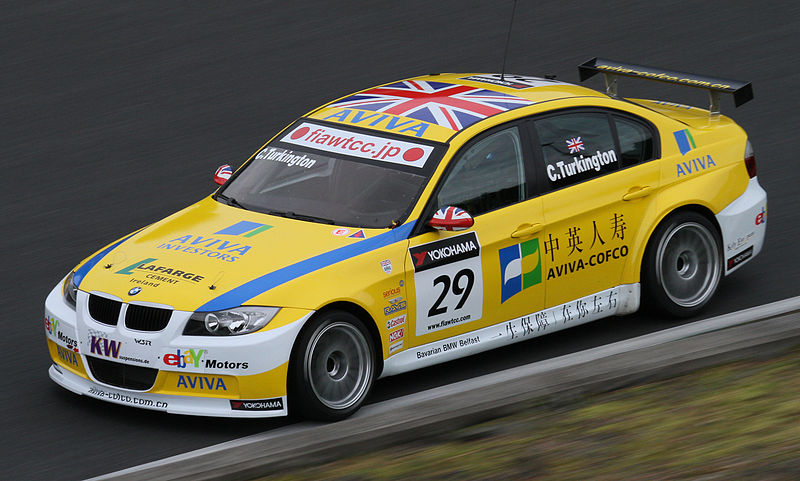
(638, 192)
(526, 230)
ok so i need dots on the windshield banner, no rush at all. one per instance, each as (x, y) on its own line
(359, 145)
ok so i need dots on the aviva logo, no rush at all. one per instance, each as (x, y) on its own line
(685, 140)
(520, 268)
(244, 229)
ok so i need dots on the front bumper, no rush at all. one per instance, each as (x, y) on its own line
(198, 406)
(228, 376)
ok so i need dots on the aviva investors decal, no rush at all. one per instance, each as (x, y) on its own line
(218, 248)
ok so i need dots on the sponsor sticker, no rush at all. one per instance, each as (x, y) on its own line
(217, 248)
(386, 265)
(394, 291)
(395, 322)
(201, 383)
(449, 282)
(739, 258)
(396, 307)
(147, 273)
(340, 231)
(198, 360)
(69, 357)
(395, 347)
(359, 145)
(396, 335)
(695, 165)
(273, 404)
(761, 217)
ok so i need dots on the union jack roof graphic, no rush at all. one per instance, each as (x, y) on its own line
(449, 105)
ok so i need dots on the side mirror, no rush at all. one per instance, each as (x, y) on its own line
(451, 218)
(223, 174)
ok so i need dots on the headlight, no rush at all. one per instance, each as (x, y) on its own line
(230, 322)
(70, 290)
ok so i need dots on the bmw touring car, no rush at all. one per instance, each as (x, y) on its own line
(407, 225)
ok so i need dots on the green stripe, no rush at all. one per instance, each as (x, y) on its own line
(257, 231)
(691, 139)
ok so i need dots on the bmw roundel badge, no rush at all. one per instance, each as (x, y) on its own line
(134, 291)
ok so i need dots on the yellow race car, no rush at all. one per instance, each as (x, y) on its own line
(407, 225)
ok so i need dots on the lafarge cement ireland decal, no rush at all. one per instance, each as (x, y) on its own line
(449, 282)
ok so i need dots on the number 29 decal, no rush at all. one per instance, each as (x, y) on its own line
(449, 282)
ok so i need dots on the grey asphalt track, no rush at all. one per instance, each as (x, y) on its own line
(114, 115)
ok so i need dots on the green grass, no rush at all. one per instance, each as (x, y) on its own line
(738, 421)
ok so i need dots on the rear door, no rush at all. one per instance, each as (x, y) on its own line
(598, 184)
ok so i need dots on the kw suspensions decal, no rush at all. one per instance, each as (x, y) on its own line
(448, 281)
(238, 296)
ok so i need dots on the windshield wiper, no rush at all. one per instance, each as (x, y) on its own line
(230, 201)
(310, 218)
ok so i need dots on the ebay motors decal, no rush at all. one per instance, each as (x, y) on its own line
(359, 145)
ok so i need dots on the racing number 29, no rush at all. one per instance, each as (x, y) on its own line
(458, 290)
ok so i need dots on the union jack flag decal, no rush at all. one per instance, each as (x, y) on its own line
(575, 145)
(452, 219)
(223, 174)
(449, 105)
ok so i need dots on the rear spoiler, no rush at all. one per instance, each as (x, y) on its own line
(742, 91)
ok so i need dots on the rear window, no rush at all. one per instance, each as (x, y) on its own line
(576, 147)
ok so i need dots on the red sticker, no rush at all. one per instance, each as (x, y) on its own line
(413, 154)
(300, 132)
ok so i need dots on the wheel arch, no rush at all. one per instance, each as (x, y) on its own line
(705, 211)
(362, 315)
(697, 208)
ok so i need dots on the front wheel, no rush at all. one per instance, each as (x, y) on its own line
(332, 367)
(683, 264)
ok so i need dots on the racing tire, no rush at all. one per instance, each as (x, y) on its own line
(683, 264)
(332, 367)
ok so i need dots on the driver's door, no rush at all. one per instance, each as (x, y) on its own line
(492, 271)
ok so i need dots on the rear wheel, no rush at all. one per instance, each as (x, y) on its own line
(683, 264)
(332, 367)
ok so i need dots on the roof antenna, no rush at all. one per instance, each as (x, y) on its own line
(508, 39)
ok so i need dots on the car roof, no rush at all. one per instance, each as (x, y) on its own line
(438, 106)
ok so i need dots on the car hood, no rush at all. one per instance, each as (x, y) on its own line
(193, 257)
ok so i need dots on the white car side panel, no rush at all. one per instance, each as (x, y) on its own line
(744, 224)
(617, 300)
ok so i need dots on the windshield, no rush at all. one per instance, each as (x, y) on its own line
(324, 174)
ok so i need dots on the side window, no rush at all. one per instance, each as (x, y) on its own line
(488, 175)
(576, 147)
(635, 141)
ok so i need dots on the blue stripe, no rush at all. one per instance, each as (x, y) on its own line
(238, 296)
(239, 228)
(86, 267)
(683, 141)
